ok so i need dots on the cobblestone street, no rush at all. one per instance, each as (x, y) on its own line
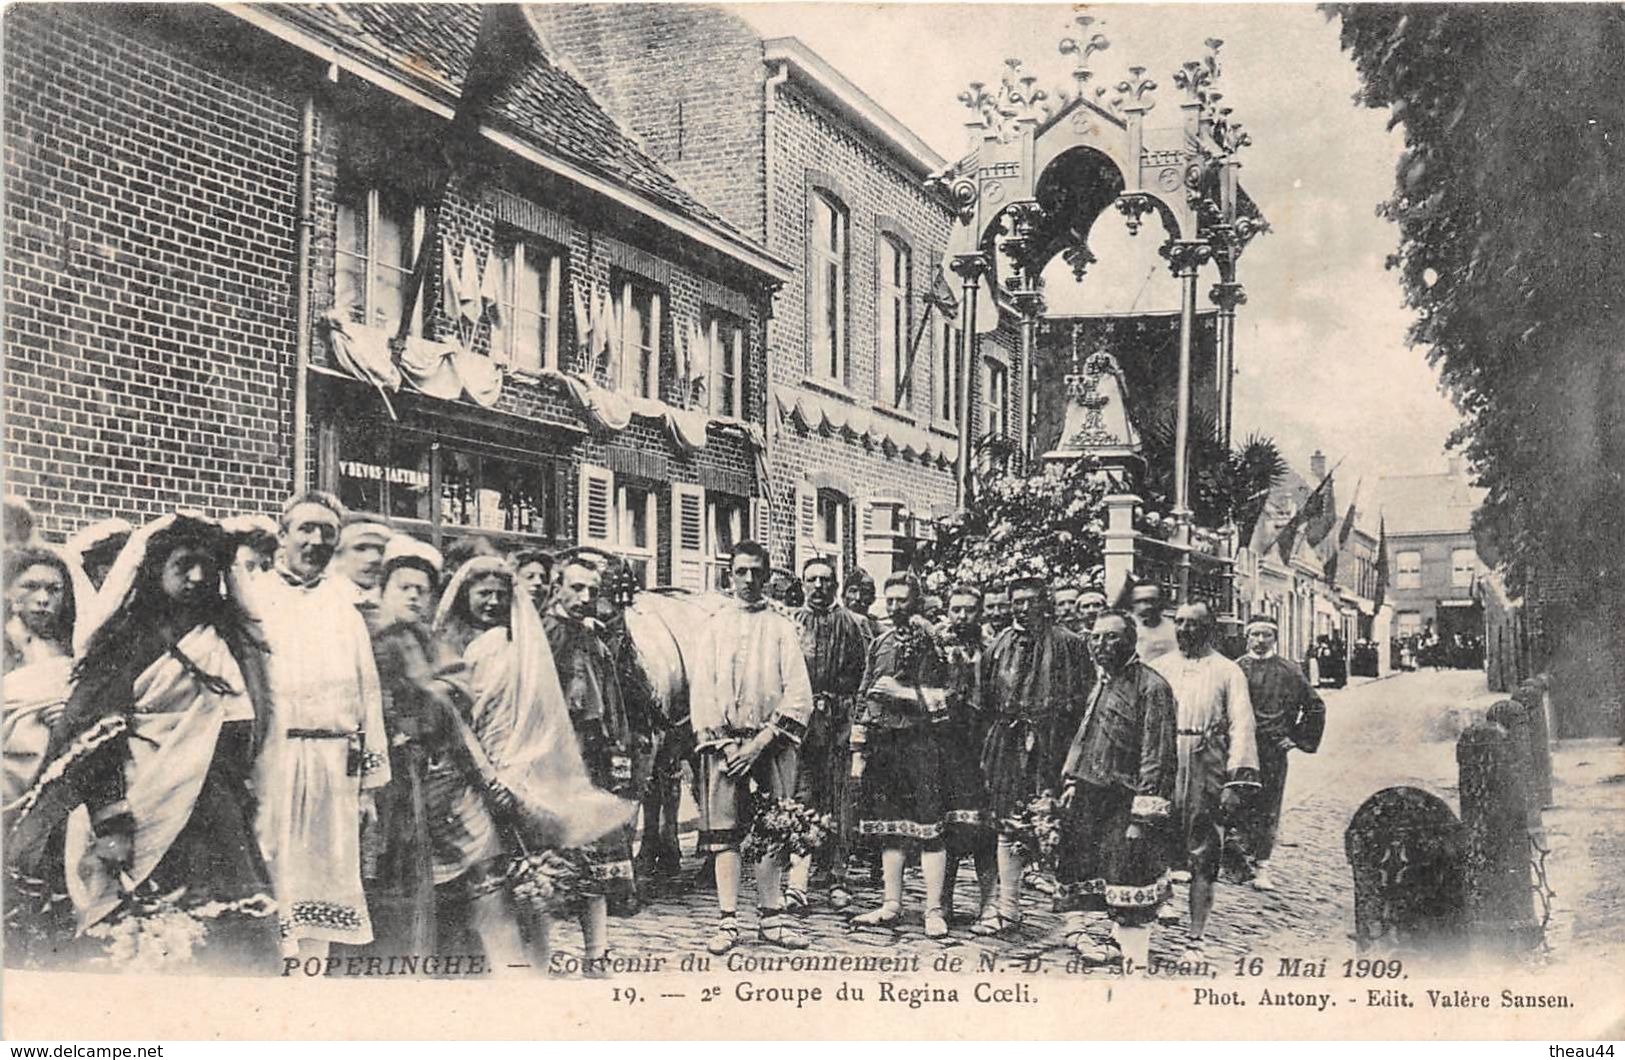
(1398, 730)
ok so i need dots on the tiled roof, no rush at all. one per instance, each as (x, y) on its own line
(1418, 504)
(432, 44)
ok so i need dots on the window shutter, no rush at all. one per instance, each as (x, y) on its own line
(876, 549)
(806, 522)
(713, 368)
(561, 501)
(761, 522)
(688, 536)
(595, 524)
(657, 357)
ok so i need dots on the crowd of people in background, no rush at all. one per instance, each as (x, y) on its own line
(319, 732)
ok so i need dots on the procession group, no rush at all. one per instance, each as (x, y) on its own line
(320, 733)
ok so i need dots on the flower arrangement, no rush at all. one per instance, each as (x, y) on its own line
(1036, 832)
(156, 933)
(785, 826)
(547, 881)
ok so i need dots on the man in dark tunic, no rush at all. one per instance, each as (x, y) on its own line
(833, 642)
(593, 691)
(1288, 715)
(898, 733)
(1118, 783)
(970, 824)
(1034, 680)
(424, 682)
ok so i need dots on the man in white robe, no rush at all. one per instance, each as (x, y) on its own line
(323, 747)
(1218, 753)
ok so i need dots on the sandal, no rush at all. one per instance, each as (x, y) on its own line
(795, 901)
(726, 936)
(936, 925)
(1097, 953)
(997, 925)
(839, 898)
(775, 932)
(885, 916)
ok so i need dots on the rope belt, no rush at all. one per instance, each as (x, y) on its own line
(1191, 732)
(355, 756)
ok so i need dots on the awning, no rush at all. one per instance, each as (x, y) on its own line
(817, 412)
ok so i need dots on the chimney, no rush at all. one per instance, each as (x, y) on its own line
(1317, 466)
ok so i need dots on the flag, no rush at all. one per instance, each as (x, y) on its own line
(1382, 565)
(451, 283)
(468, 288)
(1320, 512)
(583, 321)
(1304, 518)
(1342, 539)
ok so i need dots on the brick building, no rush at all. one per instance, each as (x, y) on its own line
(1433, 564)
(161, 349)
(863, 431)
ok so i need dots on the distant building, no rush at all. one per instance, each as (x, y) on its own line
(1433, 564)
(864, 379)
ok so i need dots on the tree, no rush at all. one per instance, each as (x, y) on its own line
(1508, 201)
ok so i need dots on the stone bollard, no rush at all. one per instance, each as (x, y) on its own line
(1513, 716)
(1405, 849)
(1496, 870)
(1532, 694)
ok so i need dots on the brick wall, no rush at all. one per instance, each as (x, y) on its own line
(150, 262)
(149, 257)
(686, 80)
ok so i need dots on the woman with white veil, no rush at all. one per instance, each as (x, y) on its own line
(144, 784)
(522, 723)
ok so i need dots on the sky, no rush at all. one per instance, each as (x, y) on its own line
(1321, 351)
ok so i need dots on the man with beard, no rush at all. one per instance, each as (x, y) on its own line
(751, 701)
(1066, 608)
(995, 610)
(1035, 678)
(969, 825)
(323, 750)
(1218, 757)
(1117, 787)
(1154, 634)
(857, 596)
(902, 708)
(360, 556)
(425, 685)
(592, 691)
(834, 647)
(1290, 716)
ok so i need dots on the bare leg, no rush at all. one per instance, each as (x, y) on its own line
(498, 931)
(1010, 870)
(727, 870)
(1201, 902)
(1135, 942)
(934, 867)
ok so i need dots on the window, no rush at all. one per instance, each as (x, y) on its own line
(726, 519)
(998, 396)
(892, 325)
(829, 531)
(640, 339)
(378, 236)
(1409, 623)
(947, 373)
(635, 514)
(394, 472)
(1463, 566)
(1408, 570)
(525, 329)
(827, 276)
(725, 342)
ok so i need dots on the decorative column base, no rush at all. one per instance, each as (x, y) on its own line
(1119, 547)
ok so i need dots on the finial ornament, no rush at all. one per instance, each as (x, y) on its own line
(1135, 90)
(1085, 43)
